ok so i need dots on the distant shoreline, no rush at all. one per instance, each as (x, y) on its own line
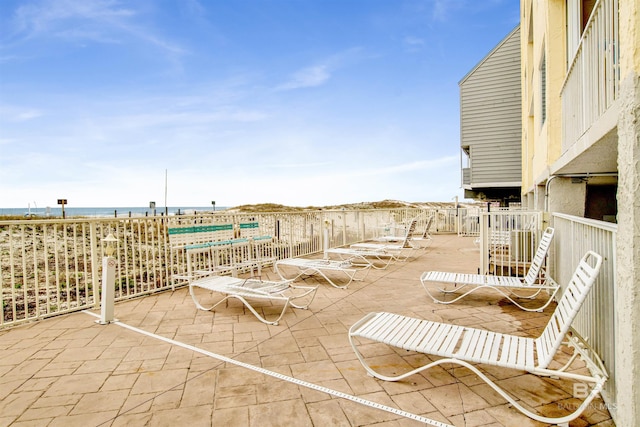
(122, 212)
(102, 212)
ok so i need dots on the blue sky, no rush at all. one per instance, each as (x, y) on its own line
(298, 102)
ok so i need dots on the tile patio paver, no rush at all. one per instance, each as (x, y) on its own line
(68, 370)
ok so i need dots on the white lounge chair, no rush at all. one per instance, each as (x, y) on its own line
(311, 266)
(464, 345)
(395, 248)
(246, 290)
(409, 231)
(424, 240)
(505, 285)
(378, 259)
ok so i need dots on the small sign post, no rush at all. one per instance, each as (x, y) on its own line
(62, 202)
(213, 203)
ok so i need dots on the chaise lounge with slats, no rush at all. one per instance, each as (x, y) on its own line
(377, 259)
(466, 346)
(250, 290)
(396, 248)
(510, 287)
(322, 267)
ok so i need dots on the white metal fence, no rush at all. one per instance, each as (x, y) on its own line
(508, 241)
(49, 267)
(596, 319)
(469, 222)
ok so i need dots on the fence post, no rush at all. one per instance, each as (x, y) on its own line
(108, 282)
(325, 239)
(484, 235)
(344, 227)
(95, 278)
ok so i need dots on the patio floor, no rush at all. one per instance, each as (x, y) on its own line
(166, 363)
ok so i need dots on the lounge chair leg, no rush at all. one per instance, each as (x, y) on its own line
(559, 421)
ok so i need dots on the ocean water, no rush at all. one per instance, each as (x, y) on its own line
(105, 212)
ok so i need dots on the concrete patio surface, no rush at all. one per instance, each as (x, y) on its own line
(166, 363)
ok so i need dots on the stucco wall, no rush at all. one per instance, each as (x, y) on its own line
(628, 239)
(566, 196)
(628, 254)
(629, 37)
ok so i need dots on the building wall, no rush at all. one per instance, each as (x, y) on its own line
(628, 240)
(543, 35)
(629, 37)
(490, 122)
(558, 200)
(543, 31)
(556, 73)
(628, 252)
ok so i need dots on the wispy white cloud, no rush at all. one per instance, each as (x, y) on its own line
(48, 16)
(154, 40)
(443, 9)
(9, 58)
(413, 41)
(315, 75)
(87, 35)
(100, 21)
(420, 165)
(400, 168)
(194, 9)
(319, 73)
(413, 44)
(297, 165)
(155, 119)
(19, 114)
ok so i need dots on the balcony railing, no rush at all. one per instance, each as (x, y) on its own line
(592, 83)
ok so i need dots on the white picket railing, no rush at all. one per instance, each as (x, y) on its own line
(596, 320)
(508, 241)
(49, 267)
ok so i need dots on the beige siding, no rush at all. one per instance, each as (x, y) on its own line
(490, 115)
